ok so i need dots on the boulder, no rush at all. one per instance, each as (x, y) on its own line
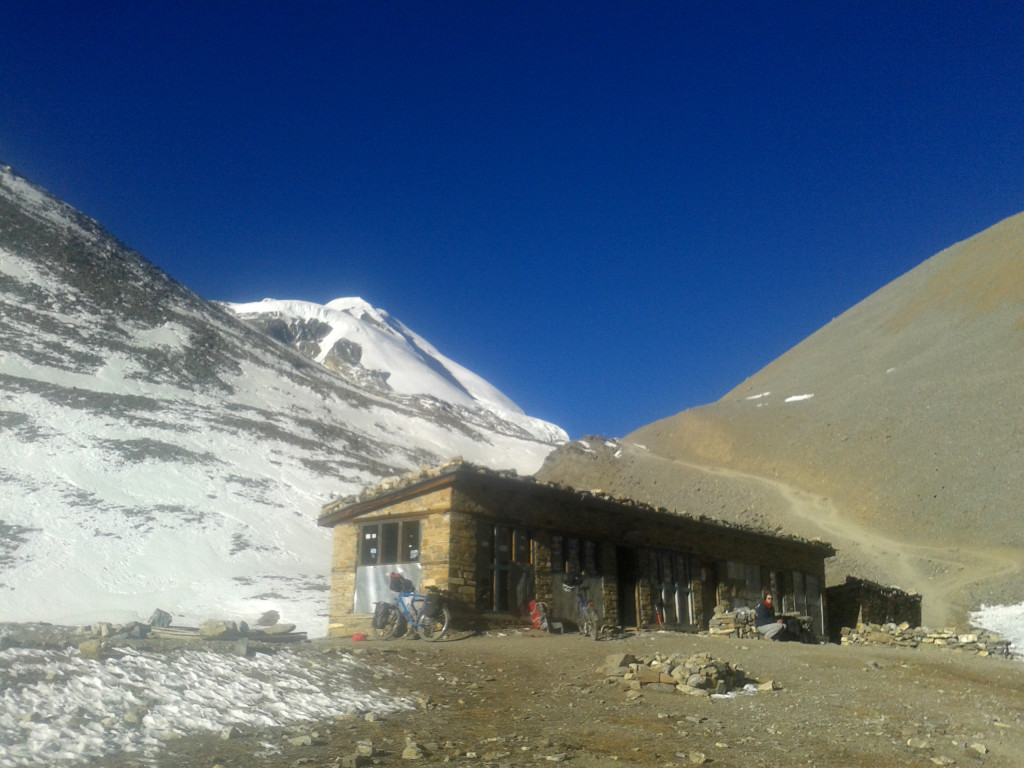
(218, 629)
(91, 649)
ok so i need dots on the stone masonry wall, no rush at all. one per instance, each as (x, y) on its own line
(975, 641)
(434, 533)
(343, 582)
(462, 557)
(859, 601)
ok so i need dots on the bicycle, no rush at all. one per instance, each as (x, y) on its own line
(427, 614)
(589, 620)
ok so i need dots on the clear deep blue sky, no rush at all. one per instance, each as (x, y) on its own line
(612, 211)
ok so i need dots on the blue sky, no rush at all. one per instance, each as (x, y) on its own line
(611, 211)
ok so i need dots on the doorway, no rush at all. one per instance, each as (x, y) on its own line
(627, 568)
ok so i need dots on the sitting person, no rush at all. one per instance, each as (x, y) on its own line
(767, 623)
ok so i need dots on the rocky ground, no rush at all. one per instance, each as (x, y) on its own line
(529, 699)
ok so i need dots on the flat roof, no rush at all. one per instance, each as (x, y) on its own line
(425, 480)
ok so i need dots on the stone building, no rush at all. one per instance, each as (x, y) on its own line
(859, 601)
(494, 542)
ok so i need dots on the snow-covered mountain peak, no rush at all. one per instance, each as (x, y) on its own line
(367, 346)
(354, 304)
(156, 452)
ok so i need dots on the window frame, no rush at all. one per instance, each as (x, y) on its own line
(395, 542)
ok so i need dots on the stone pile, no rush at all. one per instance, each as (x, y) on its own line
(696, 675)
(976, 641)
(95, 641)
(739, 623)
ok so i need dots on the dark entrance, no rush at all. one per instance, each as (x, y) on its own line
(626, 576)
(709, 590)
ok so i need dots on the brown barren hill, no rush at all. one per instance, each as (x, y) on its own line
(896, 432)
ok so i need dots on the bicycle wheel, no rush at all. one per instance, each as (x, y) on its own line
(433, 628)
(386, 620)
(593, 622)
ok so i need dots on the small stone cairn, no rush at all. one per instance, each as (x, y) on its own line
(696, 675)
(738, 624)
(975, 641)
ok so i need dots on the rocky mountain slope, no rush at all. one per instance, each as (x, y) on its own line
(895, 432)
(375, 352)
(155, 451)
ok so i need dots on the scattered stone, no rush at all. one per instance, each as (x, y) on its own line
(305, 740)
(231, 733)
(134, 715)
(981, 749)
(219, 629)
(412, 750)
(268, 619)
(917, 743)
(160, 619)
(279, 629)
(91, 649)
(616, 660)
(976, 641)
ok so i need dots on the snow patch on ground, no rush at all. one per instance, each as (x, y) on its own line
(1007, 620)
(57, 707)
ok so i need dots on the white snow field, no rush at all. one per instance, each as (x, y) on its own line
(57, 708)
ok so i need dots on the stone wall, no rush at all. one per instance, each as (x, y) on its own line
(462, 557)
(343, 584)
(975, 641)
(859, 601)
(434, 536)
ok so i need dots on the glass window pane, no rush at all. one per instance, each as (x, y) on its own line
(502, 545)
(411, 541)
(368, 545)
(574, 561)
(521, 546)
(389, 543)
(557, 555)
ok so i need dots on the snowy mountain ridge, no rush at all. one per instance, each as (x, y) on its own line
(157, 452)
(367, 345)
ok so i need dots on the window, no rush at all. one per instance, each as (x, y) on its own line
(672, 574)
(744, 583)
(799, 598)
(506, 556)
(571, 554)
(389, 543)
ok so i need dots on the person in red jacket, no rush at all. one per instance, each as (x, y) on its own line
(766, 621)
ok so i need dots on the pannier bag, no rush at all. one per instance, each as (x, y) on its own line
(432, 605)
(398, 583)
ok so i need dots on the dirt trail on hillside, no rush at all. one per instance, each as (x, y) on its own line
(940, 574)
